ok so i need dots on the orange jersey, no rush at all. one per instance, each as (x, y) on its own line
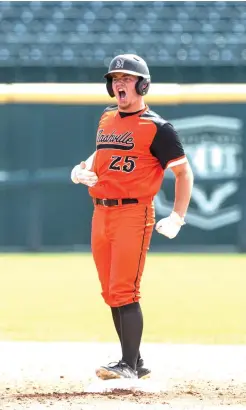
(132, 152)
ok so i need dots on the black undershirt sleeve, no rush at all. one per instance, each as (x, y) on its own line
(166, 145)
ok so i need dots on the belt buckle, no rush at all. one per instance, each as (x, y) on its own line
(104, 202)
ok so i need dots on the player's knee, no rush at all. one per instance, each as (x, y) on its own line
(106, 298)
(117, 299)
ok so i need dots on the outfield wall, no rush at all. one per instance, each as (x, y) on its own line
(45, 129)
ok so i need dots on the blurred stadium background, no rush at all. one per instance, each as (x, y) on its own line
(73, 42)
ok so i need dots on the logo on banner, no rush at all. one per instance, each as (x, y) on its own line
(213, 146)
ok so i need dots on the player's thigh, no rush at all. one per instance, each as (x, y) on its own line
(101, 246)
(131, 244)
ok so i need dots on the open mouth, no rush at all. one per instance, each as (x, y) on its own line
(122, 94)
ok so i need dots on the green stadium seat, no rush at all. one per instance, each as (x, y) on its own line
(165, 32)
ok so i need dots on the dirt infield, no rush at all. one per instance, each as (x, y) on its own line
(59, 376)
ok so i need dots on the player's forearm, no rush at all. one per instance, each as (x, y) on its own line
(183, 190)
(89, 161)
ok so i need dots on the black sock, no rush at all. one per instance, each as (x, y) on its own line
(116, 318)
(131, 320)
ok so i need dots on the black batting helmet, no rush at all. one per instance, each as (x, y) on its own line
(129, 64)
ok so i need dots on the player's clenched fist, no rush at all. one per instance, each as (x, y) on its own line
(81, 175)
(170, 226)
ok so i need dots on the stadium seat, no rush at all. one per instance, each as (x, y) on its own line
(164, 32)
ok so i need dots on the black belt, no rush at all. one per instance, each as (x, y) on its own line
(115, 202)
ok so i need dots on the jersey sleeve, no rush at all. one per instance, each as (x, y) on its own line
(110, 108)
(167, 147)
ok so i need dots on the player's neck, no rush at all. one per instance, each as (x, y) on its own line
(137, 106)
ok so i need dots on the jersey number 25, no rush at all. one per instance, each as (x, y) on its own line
(125, 164)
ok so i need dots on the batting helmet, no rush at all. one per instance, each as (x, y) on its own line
(129, 64)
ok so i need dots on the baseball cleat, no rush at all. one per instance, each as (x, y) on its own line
(143, 372)
(120, 370)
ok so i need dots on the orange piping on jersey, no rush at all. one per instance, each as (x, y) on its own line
(176, 161)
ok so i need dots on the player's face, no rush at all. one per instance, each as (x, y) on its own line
(124, 90)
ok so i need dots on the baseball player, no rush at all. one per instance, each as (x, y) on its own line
(134, 147)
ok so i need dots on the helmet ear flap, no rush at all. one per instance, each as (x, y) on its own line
(109, 87)
(142, 86)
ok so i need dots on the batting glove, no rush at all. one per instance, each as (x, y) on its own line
(81, 175)
(170, 226)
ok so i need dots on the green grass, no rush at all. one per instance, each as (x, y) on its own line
(185, 299)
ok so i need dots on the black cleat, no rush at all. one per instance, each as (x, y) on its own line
(120, 370)
(143, 372)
